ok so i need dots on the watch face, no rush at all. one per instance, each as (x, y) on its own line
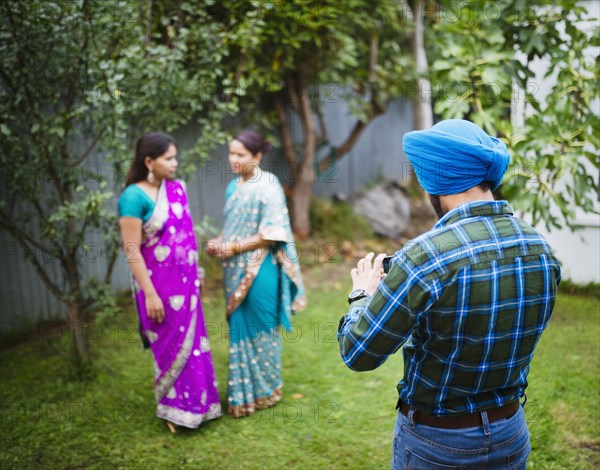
(356, 293)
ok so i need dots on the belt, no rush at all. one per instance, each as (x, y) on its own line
(467, 420)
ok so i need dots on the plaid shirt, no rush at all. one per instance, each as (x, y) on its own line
(470, 298)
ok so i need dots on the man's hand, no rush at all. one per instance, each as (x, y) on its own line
(367, 273)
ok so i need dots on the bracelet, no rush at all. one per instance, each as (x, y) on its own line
(201, 272)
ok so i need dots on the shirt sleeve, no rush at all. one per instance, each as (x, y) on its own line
(274, 221)
(377, 326)
(131, 204)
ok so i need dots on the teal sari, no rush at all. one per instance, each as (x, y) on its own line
(263, 288)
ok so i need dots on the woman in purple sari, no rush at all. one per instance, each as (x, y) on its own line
(158, 237)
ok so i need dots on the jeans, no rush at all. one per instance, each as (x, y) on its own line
(501, 444)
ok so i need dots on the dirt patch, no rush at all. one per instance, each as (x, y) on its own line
(589, 450)
(593, 445)
(327, 263)
(569, 418)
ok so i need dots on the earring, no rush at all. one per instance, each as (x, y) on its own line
(150, 176)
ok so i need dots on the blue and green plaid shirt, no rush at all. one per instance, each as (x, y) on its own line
(470, 298)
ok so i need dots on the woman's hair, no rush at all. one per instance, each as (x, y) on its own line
(253, 141)
(152, 145)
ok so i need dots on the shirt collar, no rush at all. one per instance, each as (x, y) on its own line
(475, 209)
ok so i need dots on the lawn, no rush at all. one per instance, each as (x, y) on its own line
(330, 417)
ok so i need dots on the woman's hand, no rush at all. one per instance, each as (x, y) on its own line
(201, 286)
(213, 247)
(367, 276)
(229, 249)
(154, 307)
(222, 250)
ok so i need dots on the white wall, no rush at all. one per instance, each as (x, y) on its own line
(578, 252)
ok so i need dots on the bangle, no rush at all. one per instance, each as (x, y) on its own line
(201, 272)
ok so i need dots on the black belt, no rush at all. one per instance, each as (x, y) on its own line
(466, 420)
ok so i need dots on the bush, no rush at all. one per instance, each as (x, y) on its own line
(335, 221)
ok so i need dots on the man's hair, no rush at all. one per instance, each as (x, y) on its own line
(485, 186)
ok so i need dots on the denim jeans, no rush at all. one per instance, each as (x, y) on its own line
(501, 444)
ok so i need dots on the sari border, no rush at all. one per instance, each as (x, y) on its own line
(187, 418)
(166, 381)
(293, 272)
(259, 403)
(273, 233)
(160, 214)
(250, 273)
(145, 342)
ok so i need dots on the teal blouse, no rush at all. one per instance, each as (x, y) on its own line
(135, 202)
(231, 187)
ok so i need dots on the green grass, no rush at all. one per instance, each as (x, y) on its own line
(333, 220)
(338, 418)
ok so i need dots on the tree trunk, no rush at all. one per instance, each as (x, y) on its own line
(303, 188)
(300, 209)
(302, 191)
(422, 112)
(80, 345)
(421, 101)
(304, 180)
(74, 296)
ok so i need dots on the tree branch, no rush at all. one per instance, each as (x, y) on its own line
(286, 138)
(373, 52)
(358, 129)
(19, 236)
(293, 94)
(8, 224)
(376, 108)
(32, 106)
(309, 126)
(110, 266)
(149, 23)
(7, 78)
(237, 75)
(39, 210)
(19, 56)
(422, 111)
(90, 147)
(322, 125)
(360, 126)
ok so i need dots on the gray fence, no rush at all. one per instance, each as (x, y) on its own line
(377, 155)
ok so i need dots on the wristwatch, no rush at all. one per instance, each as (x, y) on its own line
(357, 294)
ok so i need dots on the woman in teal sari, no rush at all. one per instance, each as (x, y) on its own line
(261, 277)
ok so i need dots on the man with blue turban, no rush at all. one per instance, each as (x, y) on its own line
(468, 299)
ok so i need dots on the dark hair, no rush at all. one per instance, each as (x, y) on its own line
(485, 186)
(152, 145)
(253, 141)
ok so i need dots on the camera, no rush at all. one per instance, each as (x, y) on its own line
(386, 264)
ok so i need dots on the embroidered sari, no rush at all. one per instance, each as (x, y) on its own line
(185, 386)
(262, 288)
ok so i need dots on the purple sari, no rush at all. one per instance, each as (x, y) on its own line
(185, 386)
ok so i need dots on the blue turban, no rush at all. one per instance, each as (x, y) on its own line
(454, 156)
